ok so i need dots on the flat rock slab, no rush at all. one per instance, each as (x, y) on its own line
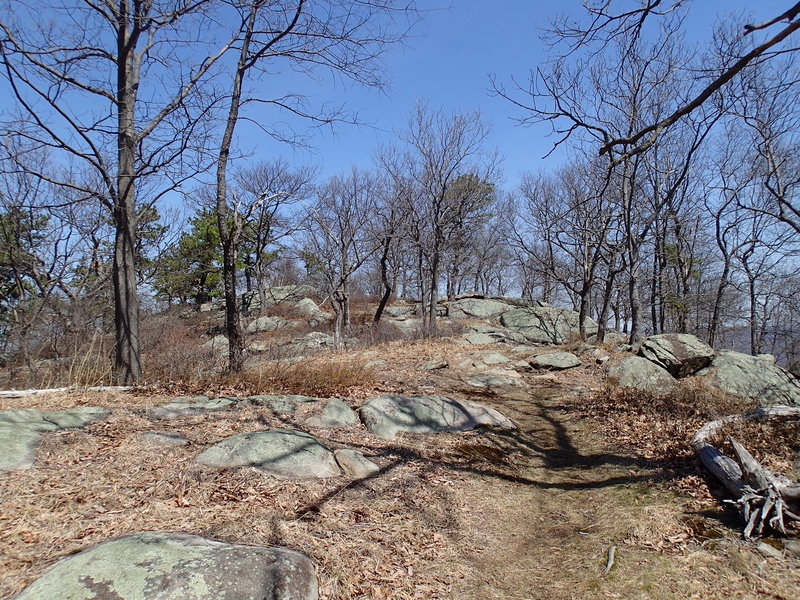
(681, 354)
(555, 361)
(491, 380)
(335, 413)
(190, 405)
(641, 374)
(389, 415)
(21, 431)
(481, 308)
(175, 566)
(283, 453)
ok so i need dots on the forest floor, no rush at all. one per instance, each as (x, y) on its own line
(524, 514)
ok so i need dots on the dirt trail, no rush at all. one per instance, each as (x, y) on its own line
(540, 524)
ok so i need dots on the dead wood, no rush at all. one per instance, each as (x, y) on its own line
(764, 499)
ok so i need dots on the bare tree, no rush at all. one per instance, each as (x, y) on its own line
(445, 170)
(339, 238)
(115, 87)
(344, 36)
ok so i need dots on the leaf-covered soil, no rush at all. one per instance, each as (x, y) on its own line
(531, 513)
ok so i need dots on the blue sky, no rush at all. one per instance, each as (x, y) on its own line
(448, 61)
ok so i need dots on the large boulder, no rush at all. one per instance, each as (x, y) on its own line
(641, 374)
(480, 308)
(754, 377)
(389, 415)
(21, 431)
(681, 354)
(545, 324)
(284, 453)
(177, 566)
(288, 294)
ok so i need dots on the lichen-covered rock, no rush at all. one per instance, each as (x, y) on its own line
(389, 415)
(754, 377)
(555, 361)
(284, 453)
(681, 354)
(355, 464)
(641, 374)
(176, 566)
(546, 324)
(21, 431)
(335, 413)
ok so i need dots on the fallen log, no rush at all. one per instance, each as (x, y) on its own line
(763, 498)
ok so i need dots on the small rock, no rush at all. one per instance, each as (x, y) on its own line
(555, 361)
(494, 358)
(435, 364)
(768, 550)
(355, 464)
(479, 338)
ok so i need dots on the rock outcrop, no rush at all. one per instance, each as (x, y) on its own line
(754, 377)
(545, 324)
(176, 566)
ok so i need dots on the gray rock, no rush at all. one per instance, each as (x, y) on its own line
(500, 334)
(189, 405)
(285, 294)
(555, 361)
(791, 548)
(176, 566)
(435, 364)
(480, 308)
(163, 438)
(400, 311)
(754, 377)
(640, 373)
(335, 413)
(266, 324)
(489, 380)
(284, 453)
(389, 415)
(21, 431)
(545, 324)
(494, 358)
(218, 344)
(479, 338)
(610, 337)
(355, 465)
(679, 353)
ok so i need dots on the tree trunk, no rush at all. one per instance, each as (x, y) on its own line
(127, 348)
(387, 287)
